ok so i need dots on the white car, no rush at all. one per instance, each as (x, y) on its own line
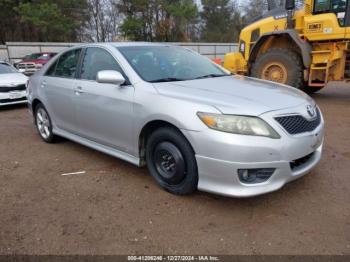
(12, 85)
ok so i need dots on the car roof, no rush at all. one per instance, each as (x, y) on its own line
(42, 53)
(123, 44)
(120, 44)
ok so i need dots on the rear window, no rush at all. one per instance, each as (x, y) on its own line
(41, 56)
(32, 56)
(44, 57)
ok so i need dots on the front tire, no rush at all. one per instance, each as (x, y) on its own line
(280, 65)
(43, 124)
(171, 161)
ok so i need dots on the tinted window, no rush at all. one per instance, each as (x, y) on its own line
(95, 60)
(169, 63)
(67, 64)
(7, 69)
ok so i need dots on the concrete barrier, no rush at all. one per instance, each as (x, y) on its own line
(17, 50)
(14, 51)
(3, 53)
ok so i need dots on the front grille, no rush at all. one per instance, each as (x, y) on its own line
(301, 161)
(5, 89)
(297, 124)
(13, 100)
(26, 66)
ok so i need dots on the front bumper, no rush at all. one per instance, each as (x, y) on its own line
(12, 98)
(220, 155)
(221, 177)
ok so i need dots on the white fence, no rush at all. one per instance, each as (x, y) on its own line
(14, 51)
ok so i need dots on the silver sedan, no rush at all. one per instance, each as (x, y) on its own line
(192, 123)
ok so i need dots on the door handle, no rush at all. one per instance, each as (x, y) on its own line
(43, 84)
(78, 90)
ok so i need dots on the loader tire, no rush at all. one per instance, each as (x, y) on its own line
(280, 65)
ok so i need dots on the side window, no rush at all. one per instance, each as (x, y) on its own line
(67, 64)
(321, 6)
(52, 69)
(97, 59)
(338, 5)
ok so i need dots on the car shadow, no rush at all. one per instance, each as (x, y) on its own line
(13, 107)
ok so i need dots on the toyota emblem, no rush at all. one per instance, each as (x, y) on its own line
(311, 110)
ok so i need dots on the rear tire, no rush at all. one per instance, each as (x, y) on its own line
(43, 124)
(171, 161)
(280, 65)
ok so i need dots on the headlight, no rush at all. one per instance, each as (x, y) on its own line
(243, 125)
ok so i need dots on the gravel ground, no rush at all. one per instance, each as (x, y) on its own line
(116, 208)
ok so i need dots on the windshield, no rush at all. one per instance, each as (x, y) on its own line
(7, 69)
(169, 63)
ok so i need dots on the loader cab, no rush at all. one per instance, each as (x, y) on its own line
(326, 20)
(338, 7)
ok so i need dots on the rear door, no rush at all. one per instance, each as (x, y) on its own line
(58, 85)
(104, 111)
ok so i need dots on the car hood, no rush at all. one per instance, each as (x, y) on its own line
(236, 94)
(12, 79)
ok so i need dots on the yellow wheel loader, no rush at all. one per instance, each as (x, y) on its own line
(303, 47)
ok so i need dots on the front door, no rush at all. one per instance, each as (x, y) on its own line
(104, 111)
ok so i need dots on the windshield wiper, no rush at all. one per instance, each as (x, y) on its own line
(174, 79)
(211, 76)
(166, 79)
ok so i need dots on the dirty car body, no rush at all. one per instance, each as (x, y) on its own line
(192, 123)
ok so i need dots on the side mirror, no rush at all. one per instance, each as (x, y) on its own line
(110, 77)
(290, 5)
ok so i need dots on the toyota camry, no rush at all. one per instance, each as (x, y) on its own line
(192, 123)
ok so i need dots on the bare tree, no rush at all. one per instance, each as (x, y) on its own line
(103, 22)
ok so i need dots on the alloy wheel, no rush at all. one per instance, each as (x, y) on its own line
(43, 123)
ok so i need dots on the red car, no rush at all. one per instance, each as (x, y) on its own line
(34, 62)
